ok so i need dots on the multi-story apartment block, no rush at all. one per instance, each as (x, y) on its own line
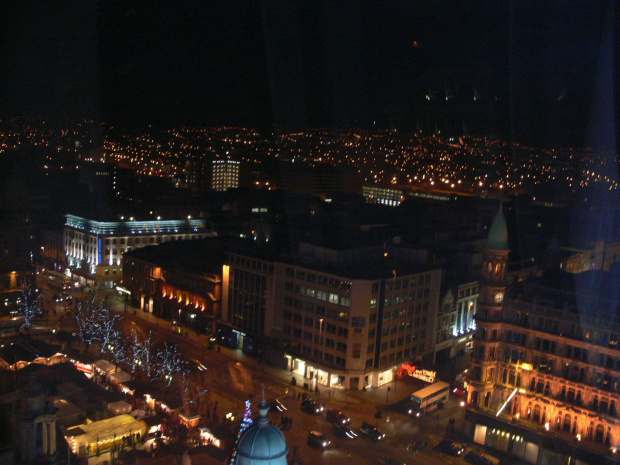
(94, 249)
(225, 174)
(351, 317)
(545, 377)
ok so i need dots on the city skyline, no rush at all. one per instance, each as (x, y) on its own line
(519, 71)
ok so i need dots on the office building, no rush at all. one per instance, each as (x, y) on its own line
(350, 317)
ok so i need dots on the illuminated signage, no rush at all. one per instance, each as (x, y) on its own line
(425, 375)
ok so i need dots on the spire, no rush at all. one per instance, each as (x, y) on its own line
(263, 408)
(498, 232)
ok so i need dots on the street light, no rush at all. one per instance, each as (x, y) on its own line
(464, 407)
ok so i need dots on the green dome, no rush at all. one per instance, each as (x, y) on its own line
(498, 233)
(262, 443)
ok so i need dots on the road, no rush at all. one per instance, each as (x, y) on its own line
(233, 382)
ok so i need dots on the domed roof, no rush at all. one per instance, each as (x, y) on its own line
(262, 443)
(498, 232)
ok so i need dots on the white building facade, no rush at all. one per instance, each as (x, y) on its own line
(94, 249)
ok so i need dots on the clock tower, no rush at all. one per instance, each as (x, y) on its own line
(488, 317)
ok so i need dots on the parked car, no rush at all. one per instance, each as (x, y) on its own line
(371, 432)
(344, 431)
(311, 406)
(477, 458)
(336, 416)
(318, 440)
(450, 447)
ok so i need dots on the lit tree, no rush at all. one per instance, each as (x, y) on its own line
(245, 424)
(144, 355)
(134, 360)
(192, 393)
(119, 353)
(169, 362)
(28, 308)
(107, 333)
(87, 318)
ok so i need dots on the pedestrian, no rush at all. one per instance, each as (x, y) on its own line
(289, 423)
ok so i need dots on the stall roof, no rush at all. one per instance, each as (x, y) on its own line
(105, 366)
(106, 429)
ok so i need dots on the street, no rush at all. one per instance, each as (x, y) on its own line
(231, 378)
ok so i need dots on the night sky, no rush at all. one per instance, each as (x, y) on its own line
(546, 71)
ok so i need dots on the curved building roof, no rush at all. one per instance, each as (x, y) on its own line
(262, 443)
(498, 232)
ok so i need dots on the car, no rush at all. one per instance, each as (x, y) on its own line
(197, 365)
(344, 431)
(450, 447)
(318, 440)
(276, 406)
(311, 406)
(371, 432)
(333, 415)
(477, 458)
(62, 297)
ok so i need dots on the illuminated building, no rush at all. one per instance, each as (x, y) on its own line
(94, 249)
(180, 281)
(383, 195)
(350, 317)
(455, 321)
(225, 175)
(601, 257)
(544, 383)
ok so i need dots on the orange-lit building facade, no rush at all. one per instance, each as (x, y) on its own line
(189, 298)
(545, 375)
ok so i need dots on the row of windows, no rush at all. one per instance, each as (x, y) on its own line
(251, 263)
(600, 335)
(320, 279)
(396, 314)
(467, 292)
(569, 351)
(404, 283)
(395, 300)
(308, 322)
(318, 294)
(319, 310)
(404, 326)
